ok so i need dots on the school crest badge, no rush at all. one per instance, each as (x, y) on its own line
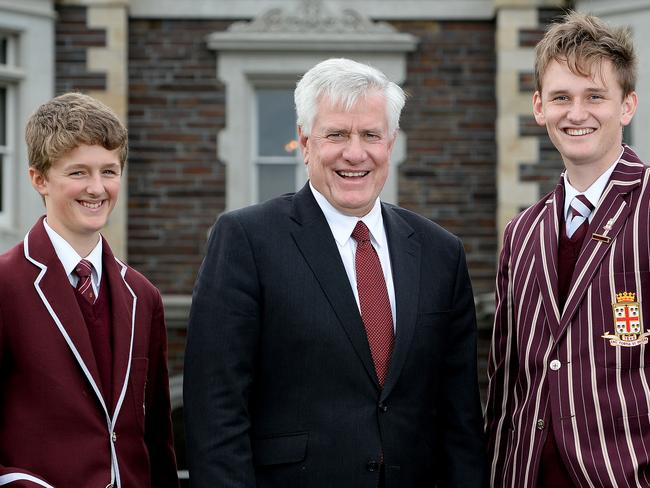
(628, 326)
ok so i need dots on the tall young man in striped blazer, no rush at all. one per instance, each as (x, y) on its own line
(569, 370)
(84, 396)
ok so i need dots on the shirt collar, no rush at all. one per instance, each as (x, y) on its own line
(70, 258)
(593, 193)
(342, 225)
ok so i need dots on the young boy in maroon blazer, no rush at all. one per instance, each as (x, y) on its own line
(84, 396)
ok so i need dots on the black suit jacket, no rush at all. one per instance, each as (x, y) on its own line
(280, 387)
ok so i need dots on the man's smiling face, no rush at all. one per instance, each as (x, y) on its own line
(347, 153)
(584, 115)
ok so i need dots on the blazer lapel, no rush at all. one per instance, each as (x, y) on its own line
(546, 266)
(609, 218)
(123, 302)
(61, 303)
(405, 262)
(316, 243)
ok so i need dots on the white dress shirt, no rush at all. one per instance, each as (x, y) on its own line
(593, 193)
(69, 258)
(342, 226)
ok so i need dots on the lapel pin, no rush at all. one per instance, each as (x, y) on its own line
(601, 238)
(609, 224)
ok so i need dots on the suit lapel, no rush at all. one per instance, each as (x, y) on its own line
(405, 263)
(122, 324)
(546, 266)
(610, 217)
(61, 303)
(316, 243)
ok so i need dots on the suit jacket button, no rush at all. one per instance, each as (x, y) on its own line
(383, 407)
(372, 466)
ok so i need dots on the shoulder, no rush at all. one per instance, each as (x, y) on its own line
(422, 226)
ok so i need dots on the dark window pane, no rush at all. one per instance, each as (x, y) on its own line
(1, 184)
(3, 116)
(3, 50)
(276, 122)
(275, 180)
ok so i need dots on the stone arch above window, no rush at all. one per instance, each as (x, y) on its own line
(276, 48)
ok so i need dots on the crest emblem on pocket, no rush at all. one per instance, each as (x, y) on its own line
(628, 326)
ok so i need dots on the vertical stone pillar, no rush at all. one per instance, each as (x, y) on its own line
(112, 60)
(513, 104)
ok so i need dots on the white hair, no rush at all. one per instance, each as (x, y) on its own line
(343, 82)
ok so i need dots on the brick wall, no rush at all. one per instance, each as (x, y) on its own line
(73, 37)
(176, 183)
(449, 175)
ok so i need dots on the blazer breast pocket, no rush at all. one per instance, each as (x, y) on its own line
(431, 319)
(280, 449)
(620, 323)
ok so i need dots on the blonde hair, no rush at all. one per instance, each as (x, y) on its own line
(67, 122)
(583, 42)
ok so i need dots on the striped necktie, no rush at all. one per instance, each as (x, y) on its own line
(84, 286)
(579, 211)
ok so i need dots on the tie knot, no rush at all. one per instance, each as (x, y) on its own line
(580, 205)
(84, 268)
(360, 232)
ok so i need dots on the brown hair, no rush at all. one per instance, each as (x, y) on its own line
(584, 41)
(67, 122)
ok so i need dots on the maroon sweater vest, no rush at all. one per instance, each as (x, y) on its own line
(98, 321)
(552, 472)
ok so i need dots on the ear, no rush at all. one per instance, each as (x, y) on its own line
(38, 181)
(538, 109)
(304, 146)
(628, 108)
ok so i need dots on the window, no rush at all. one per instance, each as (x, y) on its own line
(7, 122)
(276, 144)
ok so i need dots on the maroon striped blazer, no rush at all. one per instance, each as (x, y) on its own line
(584, 369)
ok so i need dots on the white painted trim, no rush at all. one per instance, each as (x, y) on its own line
(34, 8)
(5, 479)
(375, 9)
(607, 7)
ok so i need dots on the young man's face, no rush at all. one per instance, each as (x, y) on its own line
(80, 191)
(348, 152)
(584, 116)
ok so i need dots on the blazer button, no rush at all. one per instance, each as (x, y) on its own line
(383, 407)
(372, 466)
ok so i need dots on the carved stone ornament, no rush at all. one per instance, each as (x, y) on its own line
(312, 16)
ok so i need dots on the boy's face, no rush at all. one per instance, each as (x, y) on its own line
(80, 190)
(583, 115)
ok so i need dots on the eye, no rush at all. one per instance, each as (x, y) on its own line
(561, 98)
(111, 172)
(336, 136)
(372, 136)
(76, 174)
(596, 97)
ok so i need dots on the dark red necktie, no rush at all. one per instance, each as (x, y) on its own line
(373, 298)
(84, 285)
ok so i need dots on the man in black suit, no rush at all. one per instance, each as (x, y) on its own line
(305, 369)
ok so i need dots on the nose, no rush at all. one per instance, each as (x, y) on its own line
(577, 112)
(354, 151)
(95, 184)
